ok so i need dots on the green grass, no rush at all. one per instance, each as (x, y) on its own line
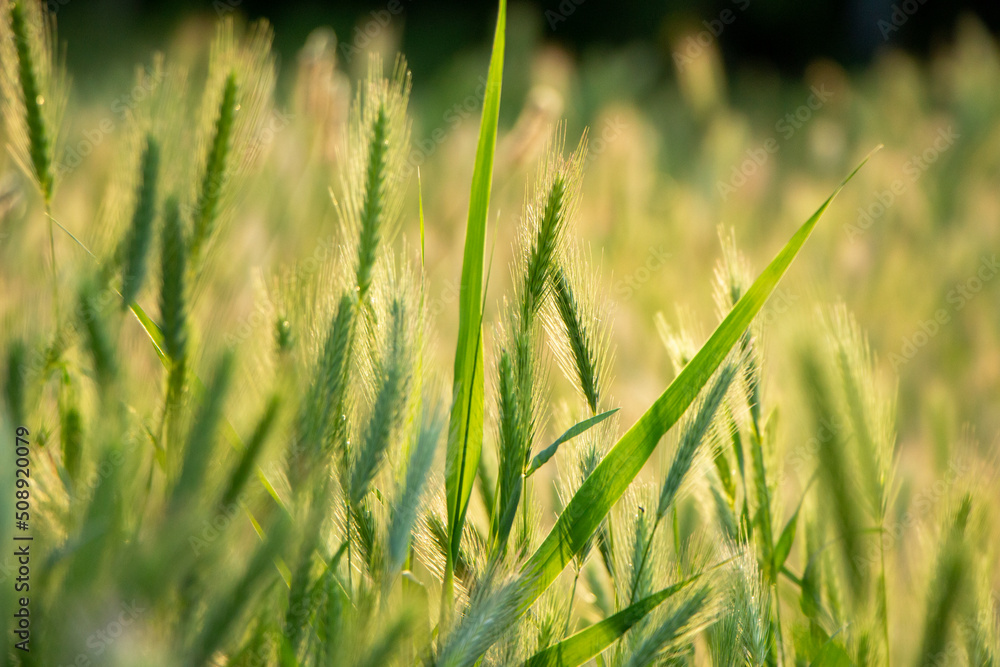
(316, 485)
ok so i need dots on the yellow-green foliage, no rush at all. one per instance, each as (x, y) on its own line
(277, 453)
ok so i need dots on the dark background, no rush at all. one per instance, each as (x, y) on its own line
(780, 34)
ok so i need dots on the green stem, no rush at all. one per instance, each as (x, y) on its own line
(777, 615)
(758, 456)
(52, 256)
(447, 596)
(572, 597)
(350, 585)
(884, 602)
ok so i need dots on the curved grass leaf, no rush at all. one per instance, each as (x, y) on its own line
(577, 429)
(832, 655)
(584, 645)
(602, 489)
(465, 432)
(784, 545)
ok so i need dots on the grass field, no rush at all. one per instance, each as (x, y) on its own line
(541, 362)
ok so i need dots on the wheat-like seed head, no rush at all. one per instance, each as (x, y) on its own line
(408, 498)
(389, 406)
(950, 584)
(137, 242)
(628, 533)
(732, 273)
(154, 108)
(695, 434)
(237, 101)
(680, 339)
(173, 297)
(666, 632)
(587, 349)
(321, 427)
(550, 205)
(376, 150)
(14, 380)
(33, 89)
(869, 404)
(579, 322)
(520, 380)
(492, 609)
(95, 332)
(838, 472)
(743, 635)
(70, 428)
(173, 302)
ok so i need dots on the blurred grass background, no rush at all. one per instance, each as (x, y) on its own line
(689, 130)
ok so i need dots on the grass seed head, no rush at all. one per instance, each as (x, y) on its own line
(372, 183)
(32, 87)
(141, 232)
(173, 299)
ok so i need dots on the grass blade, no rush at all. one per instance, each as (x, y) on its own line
(577, 429)
(228, 611)
(592, 502)
(465, 432)
(784, 545)
(201, 440)
(250, 454)
(832, 655)
(584, 645)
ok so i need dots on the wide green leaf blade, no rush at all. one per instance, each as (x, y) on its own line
(576, 429)
(832, 655)
(599, 492)
(584, 645)
(784, 545)
(151, 329)
(465, 432)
